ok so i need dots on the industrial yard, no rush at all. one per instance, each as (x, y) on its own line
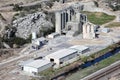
(10, 67)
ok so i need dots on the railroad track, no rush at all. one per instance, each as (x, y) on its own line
(103, 72)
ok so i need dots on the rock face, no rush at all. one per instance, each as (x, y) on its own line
(31, 23)
(2, 25)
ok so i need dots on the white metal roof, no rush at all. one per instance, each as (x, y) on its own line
(22, 63)
(37, 63)
(79, 47)
(61, 53)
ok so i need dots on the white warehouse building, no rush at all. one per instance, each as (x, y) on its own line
(80, 48)
(35, 66)
(62, 57)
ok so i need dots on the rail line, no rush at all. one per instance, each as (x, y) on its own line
(103, 72)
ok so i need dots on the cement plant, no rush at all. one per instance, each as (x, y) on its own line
(59, 39)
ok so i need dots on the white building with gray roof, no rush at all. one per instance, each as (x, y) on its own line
(35, 66)
(62, 57)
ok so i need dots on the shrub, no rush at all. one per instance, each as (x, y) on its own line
(17, 7)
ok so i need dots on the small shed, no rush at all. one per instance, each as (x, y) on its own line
(38, 41)
(35, 66)
(53, 35)
(105, 30)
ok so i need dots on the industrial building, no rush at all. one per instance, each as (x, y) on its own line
(81, 49)
(105, 30)
(36, 66)
(53, 35)
(39, 42)
(62, 57)
(69, 19)
(57, 59)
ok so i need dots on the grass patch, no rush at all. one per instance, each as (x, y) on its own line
(87, 71)
(99, 18)
(113, 24)
(49, 73)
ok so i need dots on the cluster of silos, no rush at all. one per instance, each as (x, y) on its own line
(88, 31)
(69, 15)
(62, 17)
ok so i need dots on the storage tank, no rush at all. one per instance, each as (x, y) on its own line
(34, 35)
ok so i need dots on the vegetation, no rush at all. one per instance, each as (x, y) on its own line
(113, 24)
(54, 0)
(99, 18)
(30, 8)
(115, 8)
(27, 8)
(17, 7)
(47, 73)
(50, 73)
(87, 71)
(14, 40)
(99, 53)
(96, 3)
(114, 4)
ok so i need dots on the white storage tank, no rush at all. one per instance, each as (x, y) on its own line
(34, 36)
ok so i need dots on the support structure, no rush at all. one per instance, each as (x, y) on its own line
(58, 22)
(88, 31)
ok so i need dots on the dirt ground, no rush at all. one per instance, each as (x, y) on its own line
(8, 16)
(103, 39)
(7, 2)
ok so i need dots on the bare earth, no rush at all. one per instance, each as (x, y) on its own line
(6, 2)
